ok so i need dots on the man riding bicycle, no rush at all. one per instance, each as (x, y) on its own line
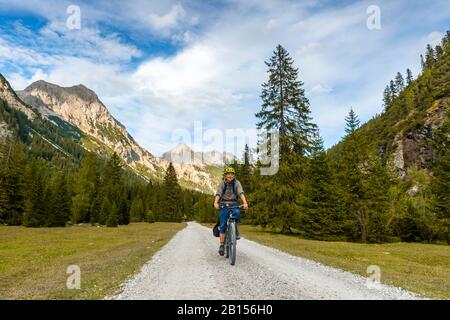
(228, 193)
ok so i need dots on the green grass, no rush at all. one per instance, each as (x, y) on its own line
(33, 262)
(421, 268)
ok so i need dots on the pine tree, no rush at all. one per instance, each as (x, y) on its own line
(172, 193)
(285, 109)
(113, 170)
(352, 122)
(399, 83)
(319, 219)
(35, 208)
(374, 220)
(409, 77)
(59, 206)
(124, 211)
(12, 187)
(393, 90)
(387, 96)
(112, 182)
(87, 189)
(350, 177)
(430, 57)
(284, 105)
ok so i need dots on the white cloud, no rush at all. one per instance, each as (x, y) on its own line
(216, 75)
(168, 20)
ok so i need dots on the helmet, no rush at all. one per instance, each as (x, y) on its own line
(230, 170)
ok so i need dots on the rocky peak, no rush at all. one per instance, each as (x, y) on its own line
(8, 94)
(182, 153)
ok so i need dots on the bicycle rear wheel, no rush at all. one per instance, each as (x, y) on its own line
(232, 243)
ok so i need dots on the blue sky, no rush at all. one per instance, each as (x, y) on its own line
(161, 65)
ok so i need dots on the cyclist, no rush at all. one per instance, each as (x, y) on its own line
(228, 193)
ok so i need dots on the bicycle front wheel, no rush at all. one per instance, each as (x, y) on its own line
(232, 244)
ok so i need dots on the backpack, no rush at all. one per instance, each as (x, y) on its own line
(236, 197)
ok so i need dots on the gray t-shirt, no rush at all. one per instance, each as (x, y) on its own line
(229, 195)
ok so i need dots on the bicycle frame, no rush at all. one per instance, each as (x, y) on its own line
(230, 234)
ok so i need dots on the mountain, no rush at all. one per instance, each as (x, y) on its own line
(182, 153)
(50, 138)
(406, 133)
(78, 109)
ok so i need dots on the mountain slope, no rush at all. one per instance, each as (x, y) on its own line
(78, 110)
(49, 139)
(405, 134)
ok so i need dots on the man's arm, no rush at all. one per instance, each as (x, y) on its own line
(217, 195)
(244, 201)
(216, 201)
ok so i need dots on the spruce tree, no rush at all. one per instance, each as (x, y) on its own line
(409, 77)
(374, 220)
(87, 188)
(351, 178)
(284, 105)
(12, 182)
(399, 83)
(35, 207)
(352, 122)
(387, 96)
(430, 57)
(285, 109)
(172, 192)
(319, 219)
(393, 90)
(59, 206)
(422, 63)
(112, 188)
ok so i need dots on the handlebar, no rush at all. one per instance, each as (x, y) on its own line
(231, 207)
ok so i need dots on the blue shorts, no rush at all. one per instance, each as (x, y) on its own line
(224, 214)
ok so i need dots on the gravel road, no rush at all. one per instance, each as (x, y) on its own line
(189, 267)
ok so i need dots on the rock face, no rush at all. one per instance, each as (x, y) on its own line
(413, 148)
(8, 94)
(182, 153)
(82, 108)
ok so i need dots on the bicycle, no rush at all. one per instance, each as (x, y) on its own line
(230, 234)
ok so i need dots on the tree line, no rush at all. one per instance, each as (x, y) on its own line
(34, 192)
